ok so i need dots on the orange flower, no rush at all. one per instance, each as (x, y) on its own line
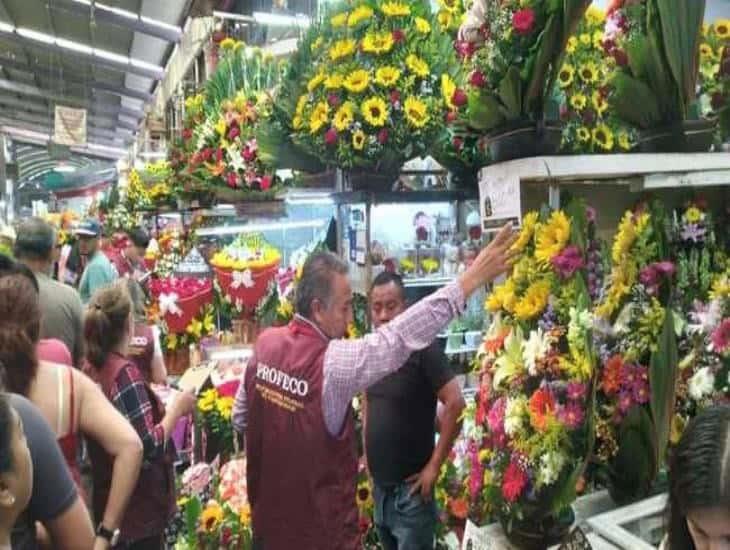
(216, 169)
(459, 508)
(497, 343)
(542, 407)
(611, 381)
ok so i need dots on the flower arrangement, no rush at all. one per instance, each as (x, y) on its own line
(655, 45)
(451, 492)
(181, 299)
(214, 417)
(167, 254)
(137, 196)
(638, 352)
(223, 521)
(244, 270)
(157, 177)
(512, 59)
(121, 220)
(584, 84)
(715, 73)
(371, 97)
(534, 406)
(200, 326)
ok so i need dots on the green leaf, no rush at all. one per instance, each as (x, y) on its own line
(484, 111)
(634, 102)
(658, 72)
(633, 469)
(681, 22)
(663, 380)
(510, 93)
(548, 45)
(193, 509)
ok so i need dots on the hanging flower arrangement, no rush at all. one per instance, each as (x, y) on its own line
(371, 97)
(180, 299)
(714, 76)
(535, 402)
(584, 84)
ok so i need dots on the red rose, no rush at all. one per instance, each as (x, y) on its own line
(207, 153)
(621, 58)
(564, 112)
(589, 117)
(248, 154)
(398, 36)
(232, 180)
(333, 100)
(459, 98)
(265, 183)
(187, 134)
(219, 155)
(394, 96)
(226, 535)
(233, 133)
(523, 21)
(450, 116)
(218, 36)
(383, 136)
(458, 143)
(464, 48)
(330, 137)
(477, 79)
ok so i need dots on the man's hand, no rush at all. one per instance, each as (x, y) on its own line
(424, 482)
(100, 543)
(492, 261)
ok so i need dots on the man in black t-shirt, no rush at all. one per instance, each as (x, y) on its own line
(400, 418)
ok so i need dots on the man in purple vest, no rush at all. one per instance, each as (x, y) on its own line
(294, 405)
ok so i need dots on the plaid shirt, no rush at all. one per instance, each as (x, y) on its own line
(351, 366)
(130, 397)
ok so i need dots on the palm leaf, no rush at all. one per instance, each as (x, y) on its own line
(634, 101)
(510, 93)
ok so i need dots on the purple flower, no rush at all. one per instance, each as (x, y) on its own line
(591, 214)
(649, 276)
(665, 268)
(693, 232)
(625, 401)
(571, 415)
(548, 320)
(640, 392)
(576, 391)
(568, 261)
(495, 417)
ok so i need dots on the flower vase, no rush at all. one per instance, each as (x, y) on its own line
(524, 138)
(369, 180)
(689, 136)
(177, 361)
(539, 534)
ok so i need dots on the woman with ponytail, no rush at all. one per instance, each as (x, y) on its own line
(699, 484)
(108, 327)
(68, 399)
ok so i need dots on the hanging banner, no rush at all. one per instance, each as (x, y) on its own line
(499, 201)
(70, 126)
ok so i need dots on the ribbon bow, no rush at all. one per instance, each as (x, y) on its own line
(168, 304)
(242, 278)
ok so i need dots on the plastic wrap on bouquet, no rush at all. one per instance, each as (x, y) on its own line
(245, 288)
(181, 300)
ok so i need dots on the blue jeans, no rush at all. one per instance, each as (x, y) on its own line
(404, 522)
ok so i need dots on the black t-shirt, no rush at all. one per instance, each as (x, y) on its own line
(401, 417)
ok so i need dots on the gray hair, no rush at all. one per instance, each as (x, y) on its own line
(316, 281)
(36, 240)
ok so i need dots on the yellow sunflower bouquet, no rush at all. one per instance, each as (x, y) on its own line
(371, 97)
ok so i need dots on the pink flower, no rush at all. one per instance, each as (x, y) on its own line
(477, 79)
(232, 180)
(394, 97)
(495, 417)
(234, 132)
(187, 134)
(330, 137)
(721, 337)
(625, 401)
(398, 36)
(571, 415)
(383, 136)
(265, 183)
(523, 21)
(196, 479)
(249, 151)
(450, 117)
(333, 100)
(568, 261)
(458, 143)
(459, 98)
(665, 268)
(464, 48)
(576, 391)
(513, 482)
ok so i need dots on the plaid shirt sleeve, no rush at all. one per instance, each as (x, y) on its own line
(130, 397)
(351, 366)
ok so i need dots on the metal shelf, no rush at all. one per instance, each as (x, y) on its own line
(427, 281)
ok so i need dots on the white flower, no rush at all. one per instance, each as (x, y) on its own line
(235, 160)
(514, 415)
(701, 384)
(535, 349)
(551, 464)
(705, 318)
(580, 322)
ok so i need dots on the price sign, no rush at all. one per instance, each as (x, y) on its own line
(499, 201)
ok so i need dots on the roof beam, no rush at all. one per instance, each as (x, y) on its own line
(119, 18)
(94, 85)
(95, 56)
(28, 90)
(6, 121)
(42, 121)
(23, 133)
(97, 121)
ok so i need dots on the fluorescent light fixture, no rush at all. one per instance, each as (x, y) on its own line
(111, 56)
(144, 64)
(6, 27)
(233, 16)
(278, 20)
(309, 198)
(71, 45)
(36, 35)
(153, 155)
(158, 23)
(117, 11)
(84, 2)
(64, 168)
(105, 148)
(249, 228)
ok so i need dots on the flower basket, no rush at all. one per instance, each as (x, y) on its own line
(265, 208)
(179, 312)
(321, 180)
(523, 139)
(369, 180)
(246, 288)
(690, 136)
(538, 534)
(177, 361)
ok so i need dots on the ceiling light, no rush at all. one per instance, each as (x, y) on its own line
(6, 27)
(85, 2)
(35, 35)
(71, 45)
(111, 56)
(144, 64)
(105, 148)
(249, 228)
(117, 11)
(277, 20)
(157, 23)
(64, 168)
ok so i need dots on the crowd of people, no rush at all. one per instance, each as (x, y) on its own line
(77, 362)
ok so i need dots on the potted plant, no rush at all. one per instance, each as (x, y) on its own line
(513, 51)
(656, 45)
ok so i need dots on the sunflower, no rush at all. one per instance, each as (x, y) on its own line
(599, 103)
(375, 111)
(603, 137)
(588, 72)
(722, 28)
(315, 81)
(364, 495)
(623, 141)
(451, 6)
(342, 48)
(706, 51)
(551, 237)
(387, 76)
(586, 39)
(529, 222)
(566, 75)
(502, 297)
(578, 102)
(333, 82)
(357, 81)
(595, 15)
(395, 9)
(445, 19)
(297, 122)
(534, 301)
(417, 65)
(344, 116)
(693, 214)
(572, 44)
(319, 117)
(211, 517)
(416, 112)
(423, 26)
(224, 406)
(206, 403)
(448, 87)
(598, 40)
(377, 42)
(358, 140)
(317, 44)
(339, 20)
(584, 134)
(359, 15)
